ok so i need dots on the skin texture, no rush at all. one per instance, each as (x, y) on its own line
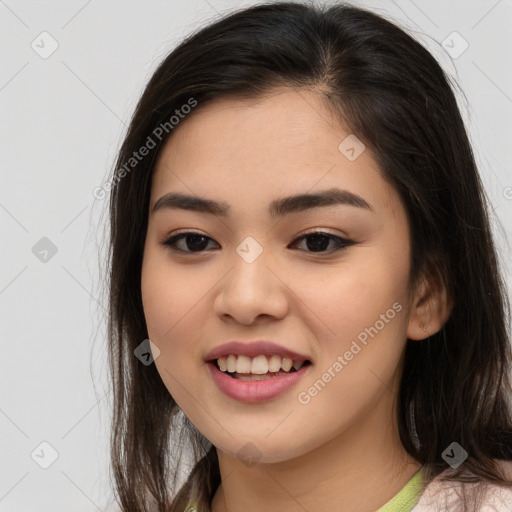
(340, 451)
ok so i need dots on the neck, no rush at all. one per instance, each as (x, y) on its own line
(359, 470)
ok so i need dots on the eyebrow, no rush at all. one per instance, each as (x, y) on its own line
(277, 208)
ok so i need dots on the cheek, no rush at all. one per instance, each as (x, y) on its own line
(176, 306)
(170, 302)
(165, 302)
(362, 309)
(362, 301)
(354, 295)
(168, 295)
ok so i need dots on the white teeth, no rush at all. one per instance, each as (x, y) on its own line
(222, 362)
(286, 364)
(231, 363)
(243, 364)
(274, 364)
(259, 365)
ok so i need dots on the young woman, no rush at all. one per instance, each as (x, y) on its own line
(298, 226)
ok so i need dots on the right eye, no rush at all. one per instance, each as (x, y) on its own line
(196, 242)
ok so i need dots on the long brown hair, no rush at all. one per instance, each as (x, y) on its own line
(395, 97)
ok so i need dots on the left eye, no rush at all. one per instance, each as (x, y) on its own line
(321, 240)
(318, 241)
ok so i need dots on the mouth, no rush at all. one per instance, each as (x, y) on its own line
(261, 367)
(251, 388)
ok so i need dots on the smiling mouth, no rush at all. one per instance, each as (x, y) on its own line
(264, 376)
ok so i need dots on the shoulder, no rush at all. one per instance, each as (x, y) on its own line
(441, 496)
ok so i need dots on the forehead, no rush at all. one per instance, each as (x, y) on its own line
(283, 123)
(285, 142)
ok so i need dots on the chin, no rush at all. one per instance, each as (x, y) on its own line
(260, 450)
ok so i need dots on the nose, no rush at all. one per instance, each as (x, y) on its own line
(250, 291)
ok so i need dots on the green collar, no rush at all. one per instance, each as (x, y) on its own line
(407, 498)
(404, 501)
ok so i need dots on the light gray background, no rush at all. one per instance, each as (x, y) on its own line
(62, 120)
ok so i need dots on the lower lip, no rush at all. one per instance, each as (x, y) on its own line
(254, 391)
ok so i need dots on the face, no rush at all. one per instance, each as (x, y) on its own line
(328, 280)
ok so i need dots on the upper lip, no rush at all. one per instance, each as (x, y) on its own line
(253, 349)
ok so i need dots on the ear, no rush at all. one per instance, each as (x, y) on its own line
(431, 307)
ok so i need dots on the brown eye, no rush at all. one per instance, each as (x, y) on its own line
(319, 241)
(193, 242)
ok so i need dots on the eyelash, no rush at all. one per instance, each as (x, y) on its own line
(342, 243)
